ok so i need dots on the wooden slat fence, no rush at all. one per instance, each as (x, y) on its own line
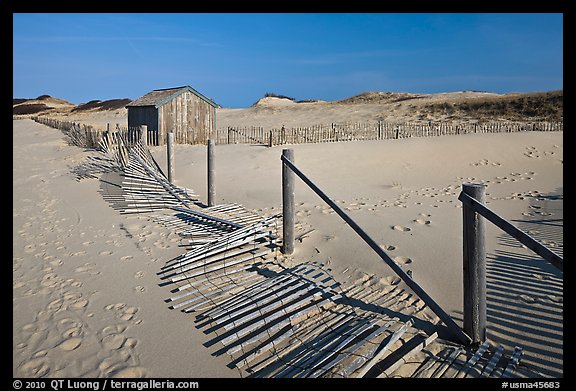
(380, 130)
(87, 136)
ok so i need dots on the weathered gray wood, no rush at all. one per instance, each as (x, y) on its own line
(452, 326)
(144, 134)
(309, 340)
(167, 186)
(288, 207)
(208, 217)
(301, 311)
(170, 158)
(323, 318)
(271, 304)
(513, 231)
(227, 273)
(284, 311)
(309, 365)
(270, 300)
(215, 289)
(222, 243)
(316, 345)
(341, 355)
(384, 349)
(427, 364)
(403, 354)
(211, 173)
(251, 257)
(220, 257)
(210, 284)
(438, 372)
(474, 266)
(199, 258)
(247, 295)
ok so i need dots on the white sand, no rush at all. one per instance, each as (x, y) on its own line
(86, 296)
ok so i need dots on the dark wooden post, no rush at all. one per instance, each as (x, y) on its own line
(170, 152)
(211, 176)
(474, 266)
(288, 203)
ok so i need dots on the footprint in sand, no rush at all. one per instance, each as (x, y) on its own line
(113, 341)
(390, 280)
(79, 304)
(422, 221)
(140, 289)
(402, 260)
(130, 372)
(56, 262)
(401, 228)
(120, 360)
(72, 332)
(388, 247)
(123, 312)
(34, 368)
(161, 244)
(70, 344)
(87, 268)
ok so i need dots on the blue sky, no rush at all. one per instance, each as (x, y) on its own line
(236, 58)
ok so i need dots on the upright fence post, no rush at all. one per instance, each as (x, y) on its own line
(170, 152)
(474, 266)
(211, 176)
(144, 134)
(288, 203)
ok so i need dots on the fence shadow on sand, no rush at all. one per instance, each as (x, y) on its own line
(525, 293)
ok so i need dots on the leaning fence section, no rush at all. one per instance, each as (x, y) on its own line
(376, 130)
(87, 136)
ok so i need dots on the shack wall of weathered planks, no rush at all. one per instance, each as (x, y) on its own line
(190, 118)
(181, 110)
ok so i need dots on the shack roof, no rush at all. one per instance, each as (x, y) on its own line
(158, 97)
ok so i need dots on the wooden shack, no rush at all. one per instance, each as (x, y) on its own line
(182, 110)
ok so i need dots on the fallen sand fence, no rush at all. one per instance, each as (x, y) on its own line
(87, 136)
(379, 130)
(275, 319)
